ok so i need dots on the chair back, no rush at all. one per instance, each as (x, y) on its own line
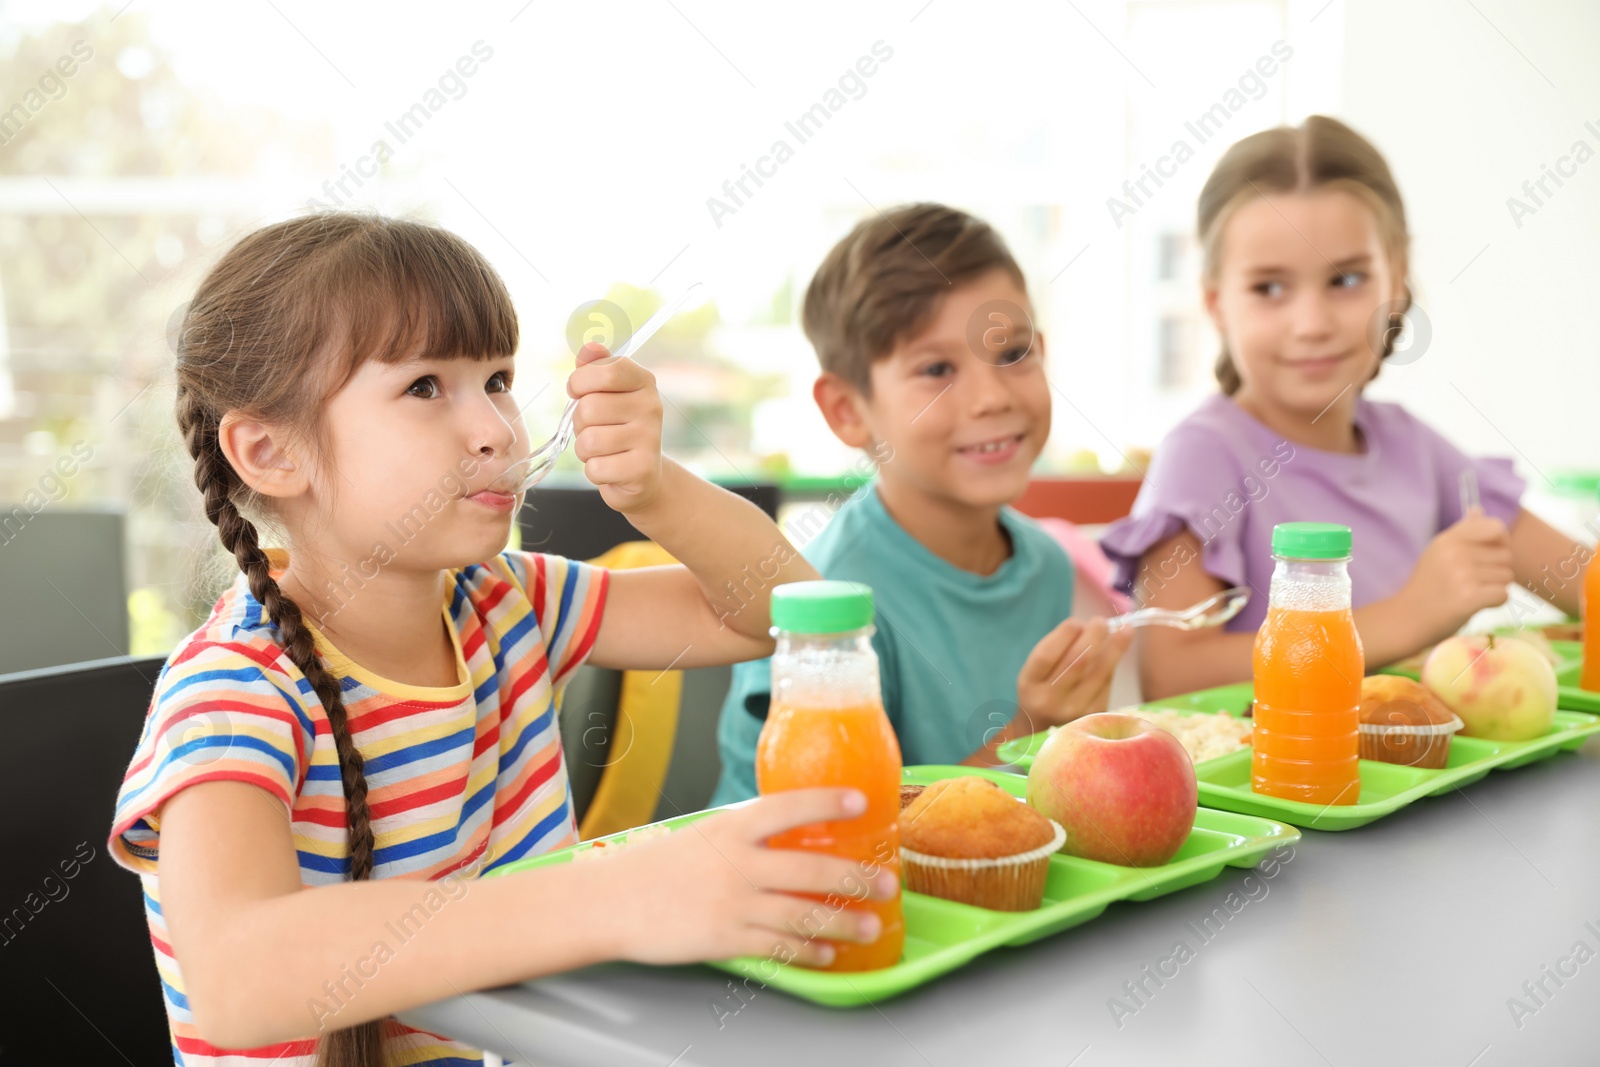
(77, 970)
(575, 522)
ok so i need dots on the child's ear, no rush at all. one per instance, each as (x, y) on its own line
(1399, 286)
(262, 455)
(844, 408)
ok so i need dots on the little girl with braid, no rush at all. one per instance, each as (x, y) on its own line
(367, 721)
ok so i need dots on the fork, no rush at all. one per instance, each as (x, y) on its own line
(1213, 611)
(542, 459)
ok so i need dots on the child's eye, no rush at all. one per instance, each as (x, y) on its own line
(937, 370)
(1349, 279)
(424, 388)
(1015, 354)
(1268, 289)
(499, 382)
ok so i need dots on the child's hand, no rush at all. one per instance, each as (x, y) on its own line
(712, 890)
(1068, 673)
(617, 427)
(1463, 570)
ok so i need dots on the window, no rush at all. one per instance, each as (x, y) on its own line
(123, 181)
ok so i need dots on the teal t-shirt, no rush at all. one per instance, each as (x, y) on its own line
(950, 643)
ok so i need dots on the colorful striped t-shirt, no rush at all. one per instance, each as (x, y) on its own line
(460, 779)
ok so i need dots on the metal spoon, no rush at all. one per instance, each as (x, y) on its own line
(541, 460)
(1470, 498)
(1213, 611)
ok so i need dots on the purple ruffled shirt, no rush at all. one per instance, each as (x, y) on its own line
(1230, 480)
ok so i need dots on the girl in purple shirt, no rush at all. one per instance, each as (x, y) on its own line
(1305, 254)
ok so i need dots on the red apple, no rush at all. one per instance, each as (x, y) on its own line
(1503, 688)
(1124, 789)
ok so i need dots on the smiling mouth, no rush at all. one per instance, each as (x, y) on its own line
(999, 444)
(1319, 361)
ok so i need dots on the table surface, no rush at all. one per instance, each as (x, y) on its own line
(1404, 941)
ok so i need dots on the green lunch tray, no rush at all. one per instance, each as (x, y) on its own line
(1569, 695)
(1385, 787)
(942, 935)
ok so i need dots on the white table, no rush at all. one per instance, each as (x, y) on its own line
(1398, 943)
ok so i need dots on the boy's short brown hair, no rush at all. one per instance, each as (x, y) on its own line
(883, 282)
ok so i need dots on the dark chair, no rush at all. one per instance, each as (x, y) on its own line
(573, 521)
(77, 972)
(696, 762)
(589, 710)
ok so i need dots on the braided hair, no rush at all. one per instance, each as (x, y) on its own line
(277, 326)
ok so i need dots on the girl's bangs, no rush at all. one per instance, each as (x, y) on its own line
(414, 291)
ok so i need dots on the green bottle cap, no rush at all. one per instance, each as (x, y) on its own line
(822, 607)
(1583, 485)
(1311, 540)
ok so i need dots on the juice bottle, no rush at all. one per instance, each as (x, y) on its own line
(827, 727)
(1308, 667)
(1589, 678)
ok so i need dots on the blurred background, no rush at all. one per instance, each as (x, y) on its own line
(594, 152)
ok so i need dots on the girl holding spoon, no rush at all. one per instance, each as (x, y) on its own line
(301, 788)
(1305, 247)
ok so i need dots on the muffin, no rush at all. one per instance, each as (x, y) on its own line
(1564, 631)
(968, 840)
(908, 793)
(1403, 722)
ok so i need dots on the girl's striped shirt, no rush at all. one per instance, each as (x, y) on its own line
(460, 779)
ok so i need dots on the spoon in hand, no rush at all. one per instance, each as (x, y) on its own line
(540, 461)
(1470, 498)
(1211, 612)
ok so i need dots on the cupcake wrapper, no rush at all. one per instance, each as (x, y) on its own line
(1409, 746)
(1006, 883)
(1450, 727)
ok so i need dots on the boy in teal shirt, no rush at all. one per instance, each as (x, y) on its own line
(930, 363)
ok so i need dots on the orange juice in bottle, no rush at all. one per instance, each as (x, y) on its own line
(827, 727)
(1308, 667)
(1589, 611)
